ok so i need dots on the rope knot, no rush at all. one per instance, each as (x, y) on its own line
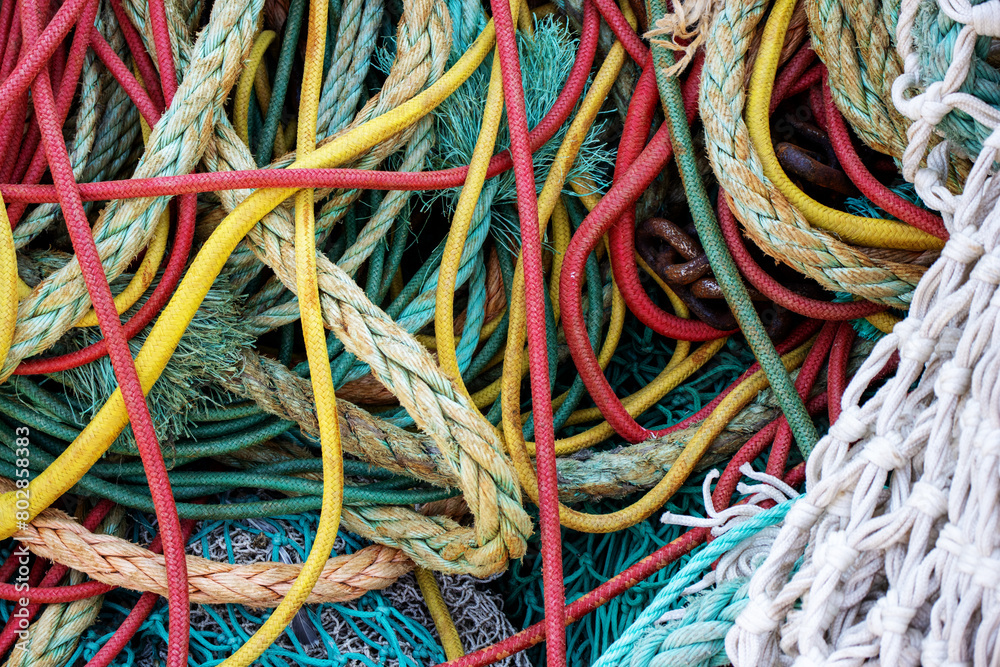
(987, 439)
(933, 652)
(883, 451)
(928, 499)
(987, 574)
(803, 514)
(953, 380)
(928, 106)
(888, 616)
(916, 348)
(962, 248)
(987, 269)
(838, 554)
(849, 427)
(756, 617)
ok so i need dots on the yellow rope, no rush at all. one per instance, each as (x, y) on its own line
(869, 232)
(241, 101)
(450, 641)
(8, 284)
(884, 322)
(314, 334)
(98, 435)
(444, 297)
(679, 472)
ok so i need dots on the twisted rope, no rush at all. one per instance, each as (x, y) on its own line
(117, 562)
(175, 145)
(855, 42)
(890, 555)
(614, 474)
(52, 639)
(768, 218)
(697, 639)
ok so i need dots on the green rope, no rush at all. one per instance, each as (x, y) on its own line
(719, 258)
(286, 57)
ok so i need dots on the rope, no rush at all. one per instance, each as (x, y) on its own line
(918, 433)
(852, 229)
(450, 639)
(722, 263)
(768, 218)
(117, 562)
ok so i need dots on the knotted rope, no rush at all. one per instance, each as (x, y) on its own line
(890, 554)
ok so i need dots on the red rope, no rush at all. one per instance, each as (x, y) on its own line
(121, 357)
(869, 186)
(334, 178)
(775, 291)
(534, 289)
(31, 163)
(22, 614)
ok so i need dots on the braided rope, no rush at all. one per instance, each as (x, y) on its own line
(117, 562)
(175, 145)
(52, 639)
(907, 574)
(768, 218)
(104, 155)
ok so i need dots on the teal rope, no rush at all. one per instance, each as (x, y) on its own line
(719, 258)
(699, 637)
(618, 652)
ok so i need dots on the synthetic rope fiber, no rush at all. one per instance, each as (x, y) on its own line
(258, 434)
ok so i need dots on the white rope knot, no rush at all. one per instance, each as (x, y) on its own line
(928, 499)
(987, 270)
(928, 105)
(888, 616)
(984, 18)
(951, 540)
(934, 652)
(962, 248)
(837, 553)
(756, 618)
(883, 451)
(953, 379)
(987, 574)
(849, 427)
(803, 514)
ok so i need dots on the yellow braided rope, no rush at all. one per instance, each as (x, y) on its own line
(869, 232)
(94, 440)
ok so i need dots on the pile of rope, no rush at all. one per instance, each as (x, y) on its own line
(382, 333)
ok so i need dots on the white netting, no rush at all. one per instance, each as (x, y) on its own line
(893, 554)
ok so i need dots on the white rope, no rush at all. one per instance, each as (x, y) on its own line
(893, 555)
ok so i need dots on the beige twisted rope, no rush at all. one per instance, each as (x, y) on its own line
(175, 146)
(53, 637)
(614, 473)
(468, 447)
(117, 562)
(768, 218)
